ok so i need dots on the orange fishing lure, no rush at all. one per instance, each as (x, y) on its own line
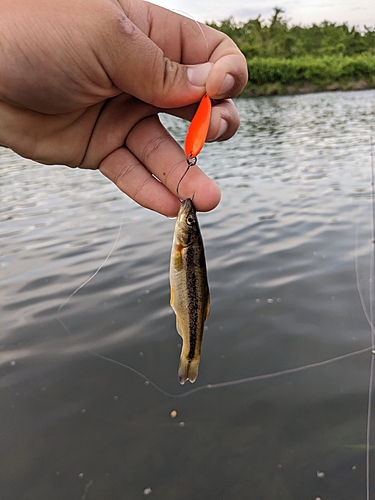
(196, 135)
(198, 129)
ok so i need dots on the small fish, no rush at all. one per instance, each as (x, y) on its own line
(190, 296)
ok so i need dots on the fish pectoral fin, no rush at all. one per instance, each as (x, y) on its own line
(177, 258)
(208, 308)
(172, 297)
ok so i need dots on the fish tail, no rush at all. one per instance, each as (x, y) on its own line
(188, 369)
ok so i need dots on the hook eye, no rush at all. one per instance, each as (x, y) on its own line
(191, 161)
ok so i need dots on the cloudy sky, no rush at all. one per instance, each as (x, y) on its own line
(354, 12)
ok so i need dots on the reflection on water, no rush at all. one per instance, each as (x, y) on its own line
(282, 250)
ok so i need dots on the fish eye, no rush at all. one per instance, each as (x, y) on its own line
(190, 219)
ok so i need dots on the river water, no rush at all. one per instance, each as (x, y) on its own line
(289, 258)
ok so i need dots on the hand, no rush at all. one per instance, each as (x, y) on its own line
(82, 82)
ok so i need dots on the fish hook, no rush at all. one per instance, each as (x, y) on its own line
(190, 163)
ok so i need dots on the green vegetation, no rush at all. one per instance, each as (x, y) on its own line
(288, 59)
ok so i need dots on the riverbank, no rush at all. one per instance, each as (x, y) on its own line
(272, 76)
(269, 89)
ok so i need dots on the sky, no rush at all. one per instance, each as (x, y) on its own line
(305, 12)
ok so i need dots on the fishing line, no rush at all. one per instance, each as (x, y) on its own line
(368, 427)
(91, 277)
(88, 485)
(199, 27)
(371, 291)
(369, 315)
(230, 383)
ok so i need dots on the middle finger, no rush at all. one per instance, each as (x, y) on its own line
(154, 147)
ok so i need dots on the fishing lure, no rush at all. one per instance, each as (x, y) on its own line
(198, 129)
(196, 135)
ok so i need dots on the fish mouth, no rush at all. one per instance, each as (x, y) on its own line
(187, 204)
(187, 207)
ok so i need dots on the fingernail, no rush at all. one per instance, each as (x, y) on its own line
(197, 75)
(222, 129)
(228, 84)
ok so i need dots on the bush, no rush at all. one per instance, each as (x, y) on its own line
(315, 70)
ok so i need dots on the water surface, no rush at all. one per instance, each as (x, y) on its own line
(288, 251)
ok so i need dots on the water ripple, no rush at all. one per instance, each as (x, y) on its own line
(282, 250)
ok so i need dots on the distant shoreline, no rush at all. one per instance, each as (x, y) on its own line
(273, 89)
(303, 75)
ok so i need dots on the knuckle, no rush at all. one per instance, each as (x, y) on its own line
(166, 84)
(155, 145)
(123, 174)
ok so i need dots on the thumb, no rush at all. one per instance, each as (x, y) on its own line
(137, 66)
